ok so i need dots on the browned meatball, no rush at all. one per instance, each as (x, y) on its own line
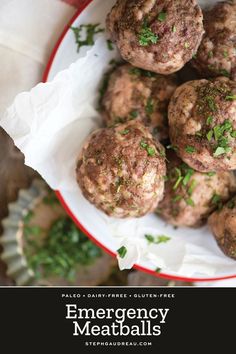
(160, 35)
(217, 53)
(202, 120)
(133, 93)
(223, 226)
(121, 170)
(191, 196)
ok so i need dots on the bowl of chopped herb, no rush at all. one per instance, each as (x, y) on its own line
(42, 246)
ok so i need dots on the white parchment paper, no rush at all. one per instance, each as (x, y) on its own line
(49, 124)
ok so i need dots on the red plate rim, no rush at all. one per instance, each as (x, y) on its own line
(81, 8)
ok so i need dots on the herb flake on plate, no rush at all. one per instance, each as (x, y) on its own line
(89, 32)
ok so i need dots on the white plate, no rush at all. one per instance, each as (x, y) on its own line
(94, 223)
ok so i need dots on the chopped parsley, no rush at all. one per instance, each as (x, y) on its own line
(211, 174)
(192, 187)
(224, 73)
(209, 135)
(221, 138)
(90, 31)
(149, 106)
(143, 144)
(110, 44)
(226, 54)
(122, 251)
(211, 103)
(134, 114)
(181, 177)
(157, 239)
(162, 16)
(135, 71)
(190, 202)
(219, 151)
(209, 120)
(216, 200)
(125, 132)
(177, 198)
(190, 149)
(146, 36)
(142, 72)
(63, 249)
(174, 29)
(150, 150)
(158, 270)
(230, 97)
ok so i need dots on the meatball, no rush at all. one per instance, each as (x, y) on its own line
(135, 93)
(202, 120)
(217, 54)
(121, 170)
(160, 35)
(191, 196)
(223, 226)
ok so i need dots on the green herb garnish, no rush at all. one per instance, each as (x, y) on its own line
(230, 97)
(122, 251)
(147, 37)
(192, 186)
(190, 149)
(149, 238)
(209, 135)
(125, 132)
(211, 174)
(157, 239)
(90, 31)
(110, 44)
(219, 151)
(150, 150)
(174, 29)
(190, 202)
(143, 144)
(149, 106)
(162, 16)
(63, 249)
(134, 114)
(158, 270)
(209, 120)
(224, 73)
(216, 200)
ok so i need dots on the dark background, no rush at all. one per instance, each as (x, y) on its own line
(199, 318)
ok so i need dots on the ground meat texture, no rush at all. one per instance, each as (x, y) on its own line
(121, 170)
(202, 120)
(191, 196)
(156, 35)
(223, 226)
(133, 93)
(217, 53)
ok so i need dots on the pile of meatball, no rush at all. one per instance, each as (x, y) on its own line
(167, 147)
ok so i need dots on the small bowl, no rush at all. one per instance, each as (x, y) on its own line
(13, 242)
